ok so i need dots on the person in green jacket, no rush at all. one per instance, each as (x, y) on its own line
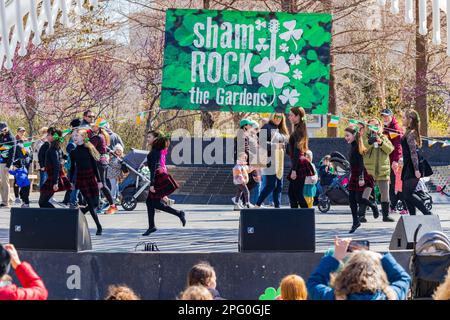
(377, 164)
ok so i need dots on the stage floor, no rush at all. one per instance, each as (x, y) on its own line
(214, 228)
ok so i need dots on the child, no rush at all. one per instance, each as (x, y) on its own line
(114, 172)
(240, 179)
(326, 172)
(309, 190)
(399, 185)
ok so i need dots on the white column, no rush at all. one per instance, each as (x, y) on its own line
(5, 35)
(436, 22)
(423, 17)
(409, 11)
(48, 12)
(394, 7)
(34, 23)
(19, 29)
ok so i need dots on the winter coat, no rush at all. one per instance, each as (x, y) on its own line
(33, 287)
(319, 288)
(395, 139)
(6, 140)
(376, 160)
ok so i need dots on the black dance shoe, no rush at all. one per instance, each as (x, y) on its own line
(354, 227)
(99, 232)
(149, 231)
(183, 218)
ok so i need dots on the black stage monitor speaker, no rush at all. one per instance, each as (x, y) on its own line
(49, 229)
(403, 236)
(277, 230)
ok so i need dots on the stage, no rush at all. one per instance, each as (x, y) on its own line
(211, 234)
(214, 228)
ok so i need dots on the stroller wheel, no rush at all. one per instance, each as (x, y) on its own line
(129, 203)
(399, 206)
(428, 205)
(324, 206)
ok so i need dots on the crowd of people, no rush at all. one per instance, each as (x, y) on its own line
(90, 167)
(381, 154)
(340, 275)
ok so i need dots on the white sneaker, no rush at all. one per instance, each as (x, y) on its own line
(234, 200)
(250, 206)
(238, 207)
(25, 205)
(18, 201)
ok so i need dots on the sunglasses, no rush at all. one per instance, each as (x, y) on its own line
(92, 117)
(278, 117)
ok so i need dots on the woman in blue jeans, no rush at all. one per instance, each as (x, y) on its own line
(277, 135)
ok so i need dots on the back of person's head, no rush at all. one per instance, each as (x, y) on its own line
(443, 291)
(196, 293)
(362, 273)
(202, 274)
(293, 288)
(75, 123)
(161, 143)
(121, 293)
(5, 261)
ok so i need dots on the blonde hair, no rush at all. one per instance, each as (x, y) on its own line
(293, 288)
(43, 130)
(121, 293)
(443, 291)
(196, 293)
(282, 126)
(92, 150)
(363, 272)
(309, 153)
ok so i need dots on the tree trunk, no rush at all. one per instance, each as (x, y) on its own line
(207, 117)
(332, 107)
(421, 77)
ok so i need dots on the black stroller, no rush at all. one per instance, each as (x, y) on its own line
(429, 263)
(135, 187)
(337, 192)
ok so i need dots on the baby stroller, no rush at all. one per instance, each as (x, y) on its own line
(429, 263)
(337, 192)
(422, 193)
(135, 187)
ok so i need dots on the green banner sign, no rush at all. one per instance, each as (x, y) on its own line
(246, 61)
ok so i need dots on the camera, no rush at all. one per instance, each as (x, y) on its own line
(372, 138)
(358, 245)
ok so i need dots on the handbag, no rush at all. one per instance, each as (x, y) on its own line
(424, 167)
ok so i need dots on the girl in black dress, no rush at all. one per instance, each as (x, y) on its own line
(54, 159)
(359, 178)
(300, 166)
(87, 178)
(161, 185)
(411, 174)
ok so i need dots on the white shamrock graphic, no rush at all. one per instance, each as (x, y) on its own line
(261, 44)
(284, 47)
(295, 59)
(289, 96)
(297, 74)
(271, 72)
(292, 33)
(260, 24)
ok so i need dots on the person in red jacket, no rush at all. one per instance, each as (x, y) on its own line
(394, 132)
(33, 287)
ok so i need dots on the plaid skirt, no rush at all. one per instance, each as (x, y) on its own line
(86, 182)
(62, 181)
(304, 168)
(353, 184)
(164, 185)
